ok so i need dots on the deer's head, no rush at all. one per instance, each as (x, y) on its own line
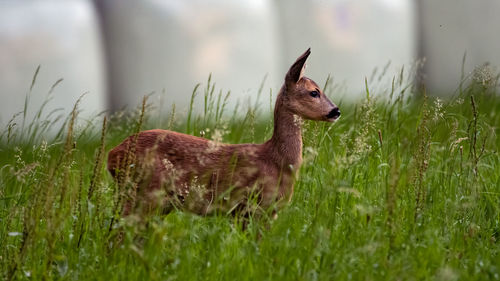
(303, 97)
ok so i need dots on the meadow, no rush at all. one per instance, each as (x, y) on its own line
(405, 187)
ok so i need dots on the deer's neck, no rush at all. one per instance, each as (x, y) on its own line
(286, 142)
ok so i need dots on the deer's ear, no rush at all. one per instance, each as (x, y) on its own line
(296, 71)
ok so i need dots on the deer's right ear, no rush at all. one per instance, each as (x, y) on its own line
(296, 71)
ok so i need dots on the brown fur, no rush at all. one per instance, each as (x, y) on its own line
(202, 176)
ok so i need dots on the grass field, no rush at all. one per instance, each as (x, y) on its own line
(406, 188)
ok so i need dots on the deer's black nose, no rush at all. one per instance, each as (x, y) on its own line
(335, 113)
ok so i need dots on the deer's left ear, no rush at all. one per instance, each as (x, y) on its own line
(296, 71)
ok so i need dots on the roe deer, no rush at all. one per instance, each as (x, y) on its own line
(168, 168)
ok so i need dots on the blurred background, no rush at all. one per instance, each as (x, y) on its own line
(117, 51)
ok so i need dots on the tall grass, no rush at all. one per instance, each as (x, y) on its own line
(398, 189)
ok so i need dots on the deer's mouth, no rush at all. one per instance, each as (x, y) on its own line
(333, 115)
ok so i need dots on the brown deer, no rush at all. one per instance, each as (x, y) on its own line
(173, 169)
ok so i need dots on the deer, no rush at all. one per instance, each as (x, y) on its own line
(170, 170)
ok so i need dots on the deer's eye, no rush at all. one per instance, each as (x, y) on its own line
(314, 94)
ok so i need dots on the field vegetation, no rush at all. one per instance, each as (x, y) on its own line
(405, 187)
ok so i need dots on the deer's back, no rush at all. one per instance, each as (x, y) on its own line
(189, 157)
(179, 149)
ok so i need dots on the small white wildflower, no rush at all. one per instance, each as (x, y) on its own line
(43, 146)
(483, 74)
(167, 164)
(297, 120)
(459, 101)
(310, 153)
(217, 136)
(438, 109)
